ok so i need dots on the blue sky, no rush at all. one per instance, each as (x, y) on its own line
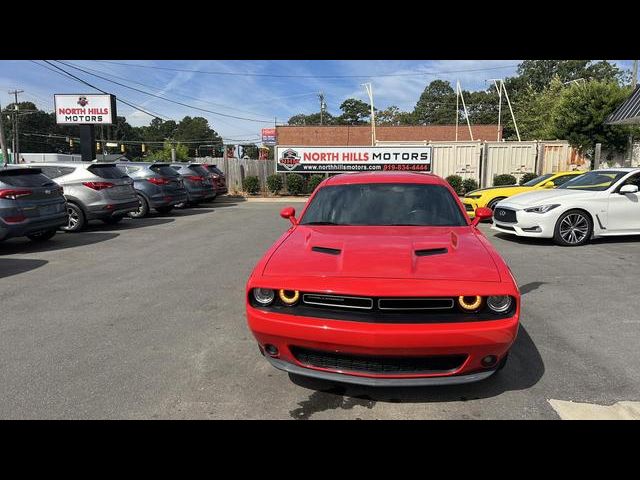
(259, 97)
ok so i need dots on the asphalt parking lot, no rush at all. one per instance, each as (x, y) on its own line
(145, 319)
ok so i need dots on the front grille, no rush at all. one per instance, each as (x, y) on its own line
(415, 303)
(504, 215)
(338, 301)
(378, 364)
(468, 208)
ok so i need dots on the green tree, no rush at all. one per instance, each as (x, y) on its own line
(312, 119)
(196, 128)
(393, 116)
(436, 105)
(581, 111)
(164, 155)
(539, 73)
(354, 112)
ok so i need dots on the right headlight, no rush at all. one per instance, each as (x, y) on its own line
(264, 296)
(542, 208)
(499, 303)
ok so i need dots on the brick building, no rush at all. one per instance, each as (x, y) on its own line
(360, 135)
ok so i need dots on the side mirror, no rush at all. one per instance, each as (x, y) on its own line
(549, 185)
(628, 189)
(482, 213)
(290, 214)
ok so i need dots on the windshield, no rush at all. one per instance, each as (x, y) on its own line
(537, 180)
(597, 180)
(384, 204)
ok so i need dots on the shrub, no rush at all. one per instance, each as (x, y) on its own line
(526, 177)
(469, 184)
(456, 183)
(295, 183)
(313, 182)
(504, 179)
(251, 185)
(274, 183)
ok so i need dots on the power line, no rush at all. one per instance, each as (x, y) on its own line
(65, 73)
(248, 74)
(167, 99)
(151, 86)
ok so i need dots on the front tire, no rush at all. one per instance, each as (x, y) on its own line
(77, 219)
(573, 229)
(42, 236)
(143, 209)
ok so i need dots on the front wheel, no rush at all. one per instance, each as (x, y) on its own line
(76, 218)
(573, 228)
(42, 236)
(143, 209)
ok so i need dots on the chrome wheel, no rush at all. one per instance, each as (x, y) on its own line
(574, 228)
(74, 218)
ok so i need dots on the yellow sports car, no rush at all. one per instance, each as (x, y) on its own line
(488, 197)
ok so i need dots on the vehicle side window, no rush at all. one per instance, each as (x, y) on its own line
(563, 179)
(633, 180)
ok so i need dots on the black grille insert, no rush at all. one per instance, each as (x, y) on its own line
(504, 215)
(468, 208)
(377, 364)
(338, 301)
(415, 303)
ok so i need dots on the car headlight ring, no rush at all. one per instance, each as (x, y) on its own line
(289, 297)
(264, 296)
(499, 303)
(470, 303)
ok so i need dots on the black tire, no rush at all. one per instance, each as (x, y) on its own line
(573, 229)
(143, 210)
(77, 220)
(112, 220)
(164, 210)
(42, 236)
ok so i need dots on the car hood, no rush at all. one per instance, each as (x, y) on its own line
(540, 197)
(452, 253)
(489, 189)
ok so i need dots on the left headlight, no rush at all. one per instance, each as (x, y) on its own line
(542, 208)
(263, 296)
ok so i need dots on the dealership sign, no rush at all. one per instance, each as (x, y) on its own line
(352, 159)
(269, 136)
(85, 109)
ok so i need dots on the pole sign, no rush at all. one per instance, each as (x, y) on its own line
(353, 159)
(269, 136)
(85, 109)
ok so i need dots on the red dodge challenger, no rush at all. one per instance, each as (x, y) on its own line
(384, 280)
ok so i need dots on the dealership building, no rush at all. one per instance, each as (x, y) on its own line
(360, 135)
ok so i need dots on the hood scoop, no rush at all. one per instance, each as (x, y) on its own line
(425, 252)
(327, 250)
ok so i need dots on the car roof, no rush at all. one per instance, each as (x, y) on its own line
(385, 177)
(68, 164)
(618, 169)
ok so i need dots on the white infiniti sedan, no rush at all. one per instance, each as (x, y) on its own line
(597, 204)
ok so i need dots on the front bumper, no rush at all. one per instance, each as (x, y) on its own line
(470, 206)
(535, 225)
(474, 340)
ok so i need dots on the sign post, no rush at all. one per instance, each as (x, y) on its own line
(85, 110)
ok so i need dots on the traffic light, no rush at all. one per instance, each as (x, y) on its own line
(71, 142)
(144, 149)
(97, 146)
(122, 148)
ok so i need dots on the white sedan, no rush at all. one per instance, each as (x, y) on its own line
(597, 204)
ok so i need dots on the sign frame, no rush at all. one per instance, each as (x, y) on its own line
(112, 102)
(358, 164)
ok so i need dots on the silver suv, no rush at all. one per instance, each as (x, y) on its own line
(93, 190)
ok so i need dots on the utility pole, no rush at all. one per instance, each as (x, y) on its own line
(634, 77)
(16, 141)
(322, 105)
(3, 142)
(369, 90)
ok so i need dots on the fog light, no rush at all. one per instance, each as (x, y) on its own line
(489, 361)
(289, 297)
(499, 303)
(271, 349)
(263, 296)
(470, 303)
